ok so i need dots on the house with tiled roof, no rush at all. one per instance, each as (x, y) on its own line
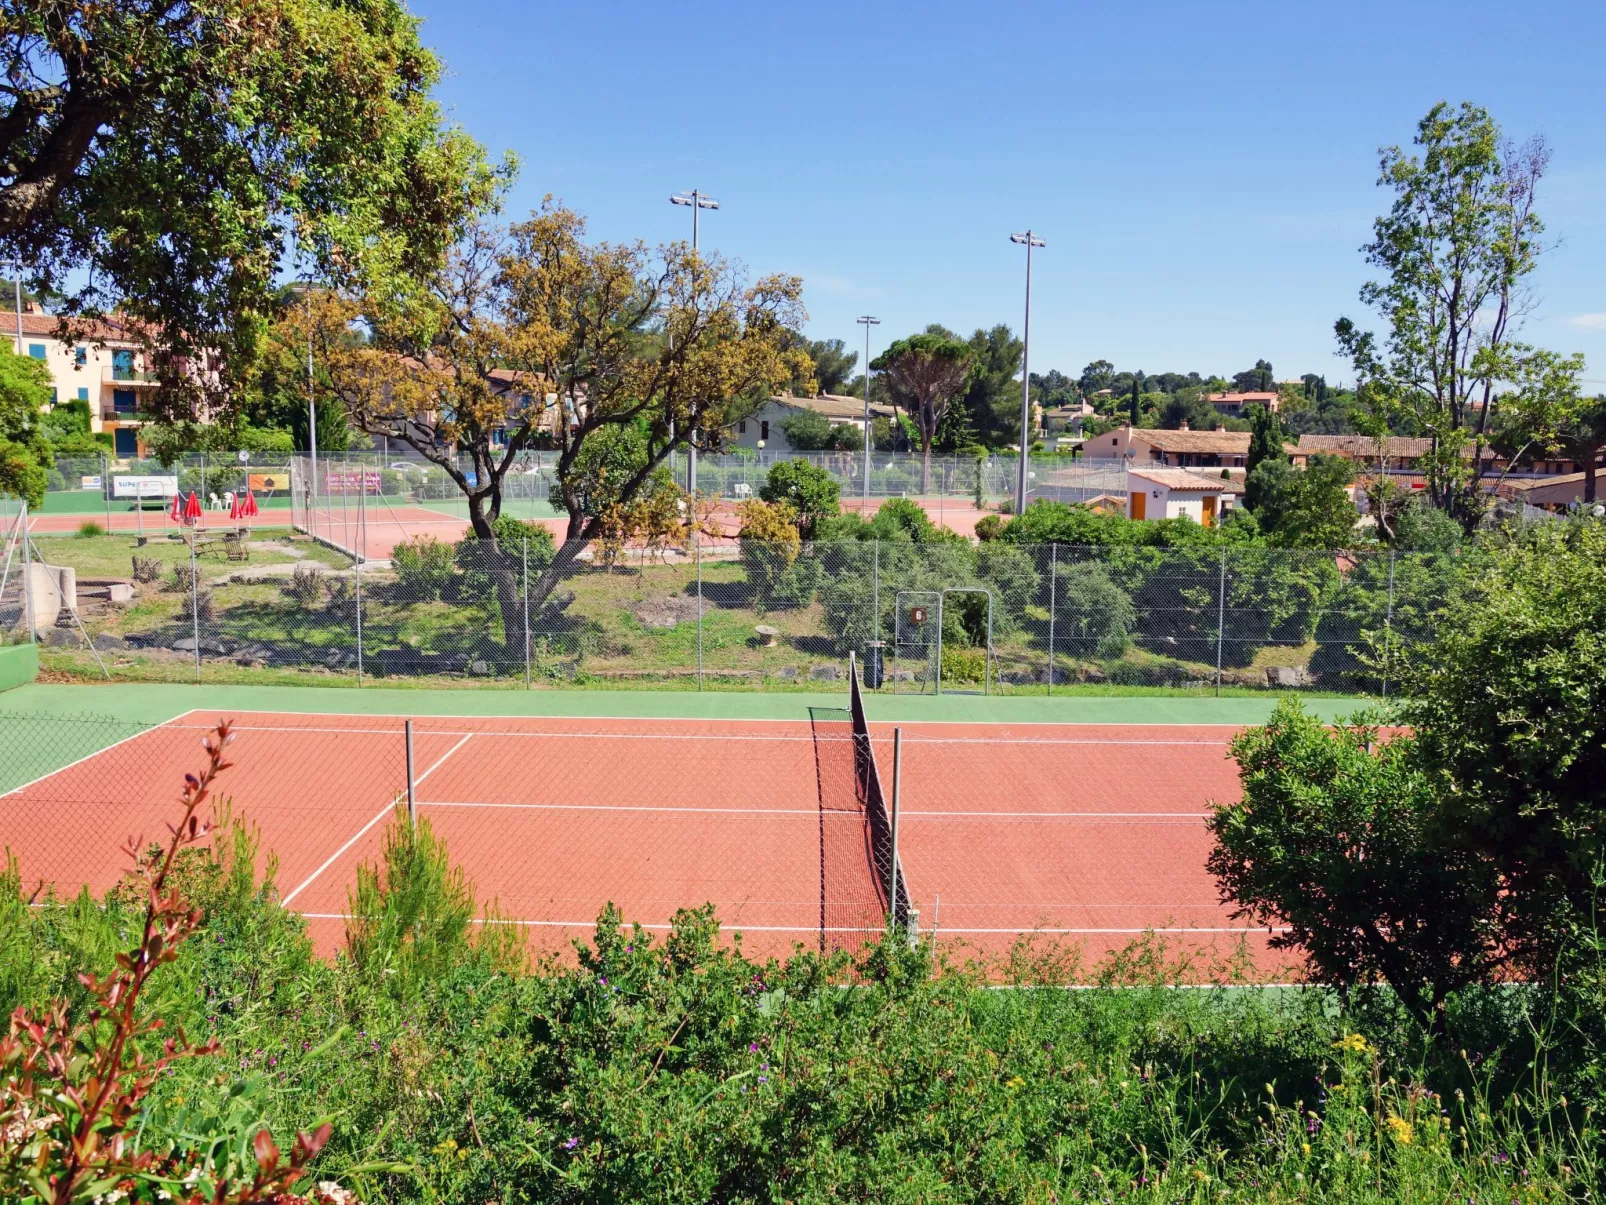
(1161, 493)
(1233, 405)
(766, 424)
(1181, 448)
(102, 364)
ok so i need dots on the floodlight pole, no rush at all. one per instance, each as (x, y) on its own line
(696, 200)
(1028, 240)
(867, 321)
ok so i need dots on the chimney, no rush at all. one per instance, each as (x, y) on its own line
(1182, 426)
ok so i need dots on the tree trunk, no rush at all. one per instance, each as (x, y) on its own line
(1589, 474)
(487, 555)
(925, 466)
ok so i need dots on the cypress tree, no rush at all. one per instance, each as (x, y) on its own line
(1137, 403)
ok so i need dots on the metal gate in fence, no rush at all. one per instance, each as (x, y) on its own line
(917, 641)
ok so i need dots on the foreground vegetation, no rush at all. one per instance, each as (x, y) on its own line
(675, 1069)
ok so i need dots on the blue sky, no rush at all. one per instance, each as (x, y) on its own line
(1204, 174)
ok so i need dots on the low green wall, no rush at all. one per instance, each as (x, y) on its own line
(19, 664)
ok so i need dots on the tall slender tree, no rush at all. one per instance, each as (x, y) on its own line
(925, 375)
(1137, 403)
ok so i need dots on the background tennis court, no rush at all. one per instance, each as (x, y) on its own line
(1089, 835)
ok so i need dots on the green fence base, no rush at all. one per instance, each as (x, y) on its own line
(19, 664)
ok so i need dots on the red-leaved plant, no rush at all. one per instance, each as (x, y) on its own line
(71, 1089)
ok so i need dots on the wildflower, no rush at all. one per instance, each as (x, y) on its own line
(570, 1143)
(1304, 1148)
(1352, 1043)
(752, 1047)
(1014, 1082)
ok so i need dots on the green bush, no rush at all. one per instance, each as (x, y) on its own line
(423, 567)
(1093, 617)
(518, 547)
(811, 491)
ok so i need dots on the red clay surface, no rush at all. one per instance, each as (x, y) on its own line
(1084, 835)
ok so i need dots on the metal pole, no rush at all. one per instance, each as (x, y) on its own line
(106, 489)
(356, 569)
(1030, 240)
(1221, 619)
(1388, 628)
(1053, 597)
(697, 549)
(526, 612)
(312, 419)
(195, 607)
(412, 801)
(27, 576)
(868, 321)
(892, 870)
(17, 282)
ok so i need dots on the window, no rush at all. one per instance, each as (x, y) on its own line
(123, 401)
(122, 365)
(127, 442)
(764, 429)
(741, 427)
(52, 397)
(83, 394)
(80, 356)
(36, 350)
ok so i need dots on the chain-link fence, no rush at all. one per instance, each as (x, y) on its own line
(1086, 840)
(526, 610)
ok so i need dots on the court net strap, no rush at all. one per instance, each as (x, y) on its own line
(875, 803)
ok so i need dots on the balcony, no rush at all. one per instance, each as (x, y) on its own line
(127, 378)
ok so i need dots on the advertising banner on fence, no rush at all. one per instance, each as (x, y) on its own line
(89, 482)
(268, 482)
(144, 487)
(352, 482)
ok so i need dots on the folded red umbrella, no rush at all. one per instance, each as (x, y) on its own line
(235, 509)
(250, 505)
(192, 509)
(176, 511)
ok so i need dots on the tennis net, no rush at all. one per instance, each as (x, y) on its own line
(883, 852)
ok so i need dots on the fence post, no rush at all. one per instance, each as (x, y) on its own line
(526, 612)
(195, 607)
(356, 569)
(875, 594)
(1053, 598)
(412, 801)
(106, 489)
(27, 576)
(1221, 619)
(892, 868)
(697, 550)
(1388, 628)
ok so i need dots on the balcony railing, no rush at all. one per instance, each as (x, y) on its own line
(113, 374)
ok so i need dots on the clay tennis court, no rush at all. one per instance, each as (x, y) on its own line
(1089, 835)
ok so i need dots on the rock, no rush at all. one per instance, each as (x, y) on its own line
(482, 669)
(59, 638)
(1287, 676)
(825, 673)
(186, 644)
(120, 592)
(214, 648)
(106, 642)
(787, 671)
(1055, 676)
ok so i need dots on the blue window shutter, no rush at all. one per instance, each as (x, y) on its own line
(52, 397)
(123, 401)
(36, 350)
(83, 394)
(126, 442)
(80, 356)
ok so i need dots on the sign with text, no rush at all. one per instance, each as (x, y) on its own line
(88, 482)
(144, 487)
(267, 482)
(363, 481)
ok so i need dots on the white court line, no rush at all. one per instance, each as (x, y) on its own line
(813, 811)
(624, 807)
(741, 928)
(1063, 815)
(380, 815)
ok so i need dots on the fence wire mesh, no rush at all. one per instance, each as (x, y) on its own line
(1089, 839)
(525, 610)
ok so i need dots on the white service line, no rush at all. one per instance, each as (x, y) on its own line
(1063, 815)
(627, 807)
(741, 928)
(104, 749)
(380, 815)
